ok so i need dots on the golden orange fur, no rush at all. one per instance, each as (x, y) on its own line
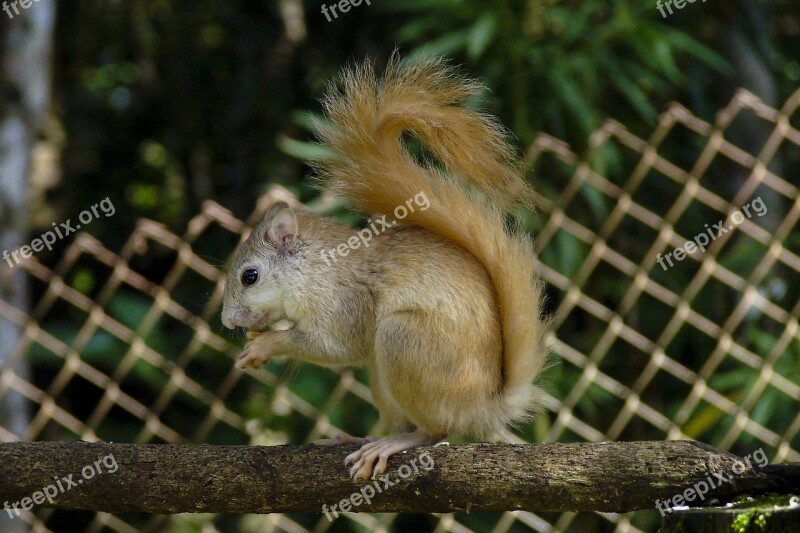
(444, 308)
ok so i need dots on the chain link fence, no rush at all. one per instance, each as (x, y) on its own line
(655, 338)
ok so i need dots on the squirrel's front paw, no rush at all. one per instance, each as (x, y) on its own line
(255, 353)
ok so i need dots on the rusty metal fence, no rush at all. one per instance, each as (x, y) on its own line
(704, 345)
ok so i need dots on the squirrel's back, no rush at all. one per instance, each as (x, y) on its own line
(481, 179)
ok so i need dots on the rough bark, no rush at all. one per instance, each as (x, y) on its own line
(613, 476)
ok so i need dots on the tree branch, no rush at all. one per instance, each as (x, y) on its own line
(154, 478)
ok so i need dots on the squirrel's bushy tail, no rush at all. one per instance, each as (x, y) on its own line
(375, 172)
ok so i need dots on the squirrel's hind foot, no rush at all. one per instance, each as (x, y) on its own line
(370, 460)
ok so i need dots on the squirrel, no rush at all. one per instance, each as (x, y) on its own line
(443, 307)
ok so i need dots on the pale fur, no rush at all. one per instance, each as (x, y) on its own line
(445, 309)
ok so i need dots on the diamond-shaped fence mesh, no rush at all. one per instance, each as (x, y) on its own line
(655, 339)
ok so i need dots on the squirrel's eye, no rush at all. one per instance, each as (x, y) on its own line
(249, 277)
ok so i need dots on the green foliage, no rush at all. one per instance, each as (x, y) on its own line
(167, 103)
(558, 65)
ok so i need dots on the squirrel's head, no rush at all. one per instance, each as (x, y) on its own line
(261, 271)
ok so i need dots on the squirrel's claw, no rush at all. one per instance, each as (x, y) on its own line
(371, 459)
(253, 355)
(251, 361)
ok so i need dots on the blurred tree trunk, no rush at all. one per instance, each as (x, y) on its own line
(25, 48)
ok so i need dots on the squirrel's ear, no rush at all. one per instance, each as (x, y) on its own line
(282, 229)
(274, 209)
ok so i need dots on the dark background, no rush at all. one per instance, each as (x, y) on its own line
(161, 105)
